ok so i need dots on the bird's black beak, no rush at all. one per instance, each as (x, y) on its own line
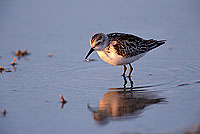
(91, 50)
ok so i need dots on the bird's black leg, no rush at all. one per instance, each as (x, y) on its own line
(125, 82)
(131, 69)
(124, 71)
(131, 83)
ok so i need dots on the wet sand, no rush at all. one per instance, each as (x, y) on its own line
(165, 91)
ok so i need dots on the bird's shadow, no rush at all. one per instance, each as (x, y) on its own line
(124, 103)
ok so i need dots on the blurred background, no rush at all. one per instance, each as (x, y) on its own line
(63, 28)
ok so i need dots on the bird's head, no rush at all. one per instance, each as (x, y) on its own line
(98, 42)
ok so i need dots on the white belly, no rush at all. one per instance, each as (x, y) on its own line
(115, 59)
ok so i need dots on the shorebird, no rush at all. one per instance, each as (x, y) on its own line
(121, 48)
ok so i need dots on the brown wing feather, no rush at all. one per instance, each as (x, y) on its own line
(129, 45)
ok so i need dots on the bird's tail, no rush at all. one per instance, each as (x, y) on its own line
(155, 43)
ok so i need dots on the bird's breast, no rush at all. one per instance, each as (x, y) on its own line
(107, 57)
(113, 58)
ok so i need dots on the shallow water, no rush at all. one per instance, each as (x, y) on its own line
(167, 77)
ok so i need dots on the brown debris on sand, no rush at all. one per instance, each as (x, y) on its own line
(24, 52)
(1, 68)
(4, 112)
(20, 53)
(8, 70)
(62, 99)
(13, 62)
(50, 55)
(4, 69)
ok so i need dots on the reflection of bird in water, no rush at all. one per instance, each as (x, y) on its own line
(121, 48)
(123, 105)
